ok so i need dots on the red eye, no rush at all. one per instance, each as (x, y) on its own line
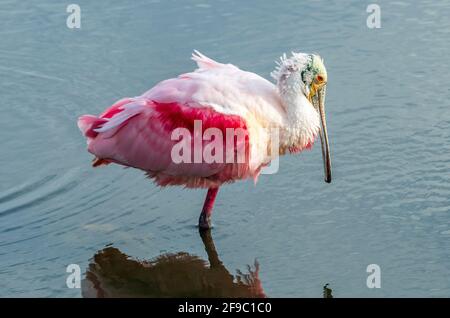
(319, 78)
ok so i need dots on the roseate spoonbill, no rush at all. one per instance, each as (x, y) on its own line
(137, 132)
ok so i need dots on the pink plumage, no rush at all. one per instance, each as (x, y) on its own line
(137, 132)
(142, 139)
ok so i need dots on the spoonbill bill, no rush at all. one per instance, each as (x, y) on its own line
(139, 132)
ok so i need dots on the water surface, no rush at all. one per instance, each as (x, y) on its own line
(389, 126)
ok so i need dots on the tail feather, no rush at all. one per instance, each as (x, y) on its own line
(87, 124)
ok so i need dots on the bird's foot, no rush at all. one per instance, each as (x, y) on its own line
(204, 222)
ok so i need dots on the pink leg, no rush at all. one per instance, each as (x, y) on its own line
(204, 222)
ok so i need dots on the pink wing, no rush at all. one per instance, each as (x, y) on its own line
(136, 132)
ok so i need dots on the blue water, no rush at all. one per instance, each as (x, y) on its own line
(388, 120)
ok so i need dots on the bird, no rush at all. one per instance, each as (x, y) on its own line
(215, 125)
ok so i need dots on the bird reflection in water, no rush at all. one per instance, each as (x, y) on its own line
(112, 273)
